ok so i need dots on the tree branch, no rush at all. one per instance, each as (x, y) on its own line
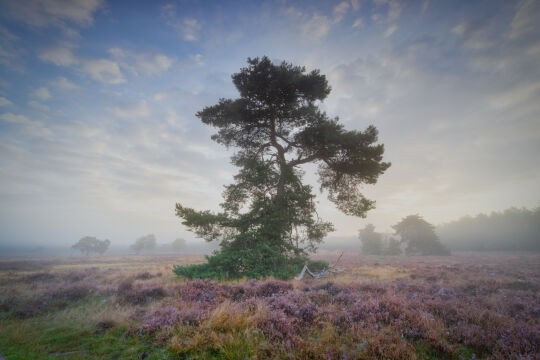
(305, 160)
(290, 144)
(261, 148)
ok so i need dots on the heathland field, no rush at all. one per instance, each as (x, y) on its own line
(466, 306)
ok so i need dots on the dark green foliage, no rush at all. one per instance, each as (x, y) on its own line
(317, 265)
(420, 237)
(269, 224)
(231, 265)
(90, 244)
(371, 240)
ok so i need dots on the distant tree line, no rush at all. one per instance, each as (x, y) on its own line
(90, 244)
(416, 234)
(514, 229)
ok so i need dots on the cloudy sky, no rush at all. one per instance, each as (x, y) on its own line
(98, 134)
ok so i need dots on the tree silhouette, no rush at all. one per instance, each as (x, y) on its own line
(144, 243)
(90, 244)
(371, 240)
(178, 244)
(420, 237)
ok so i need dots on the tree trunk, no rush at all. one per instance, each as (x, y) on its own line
(280, 157)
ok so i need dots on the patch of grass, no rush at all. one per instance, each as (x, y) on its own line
(468, 354)
(42, 339)
(427, 352)
(383, 273)
(210, 344)
(64, 338)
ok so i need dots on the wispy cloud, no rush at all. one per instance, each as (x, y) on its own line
(15, 119)
(38, 106)
(29, 127)
(340, 10)
(134, 110)
(53, 12)
(317, 27)
(387, 11)
(187, 27)
(358, 23)
(190, 28)
(4, 101)
(525, 19)
(198, 59)
(108, 71)
(141, 63)
(60, 56)
(10, 53)
(63, 83)
(390, 30)
(42, 93)
(104, 70)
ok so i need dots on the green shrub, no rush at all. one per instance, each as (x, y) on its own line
(226, 266)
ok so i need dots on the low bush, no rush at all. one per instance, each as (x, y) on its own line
(50, 300)
(219, 268)
(141, 294)
(39, 277)
(144, 276)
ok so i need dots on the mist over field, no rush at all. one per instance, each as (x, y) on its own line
(270, 179)
(514, 230)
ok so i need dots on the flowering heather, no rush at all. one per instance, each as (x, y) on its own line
(51, 299)
(139, 294)
(459, 307)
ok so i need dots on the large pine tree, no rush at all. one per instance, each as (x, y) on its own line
(269, 223)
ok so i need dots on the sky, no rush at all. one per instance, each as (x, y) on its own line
(98, 133)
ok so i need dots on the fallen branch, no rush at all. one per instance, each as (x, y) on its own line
(323, 273)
